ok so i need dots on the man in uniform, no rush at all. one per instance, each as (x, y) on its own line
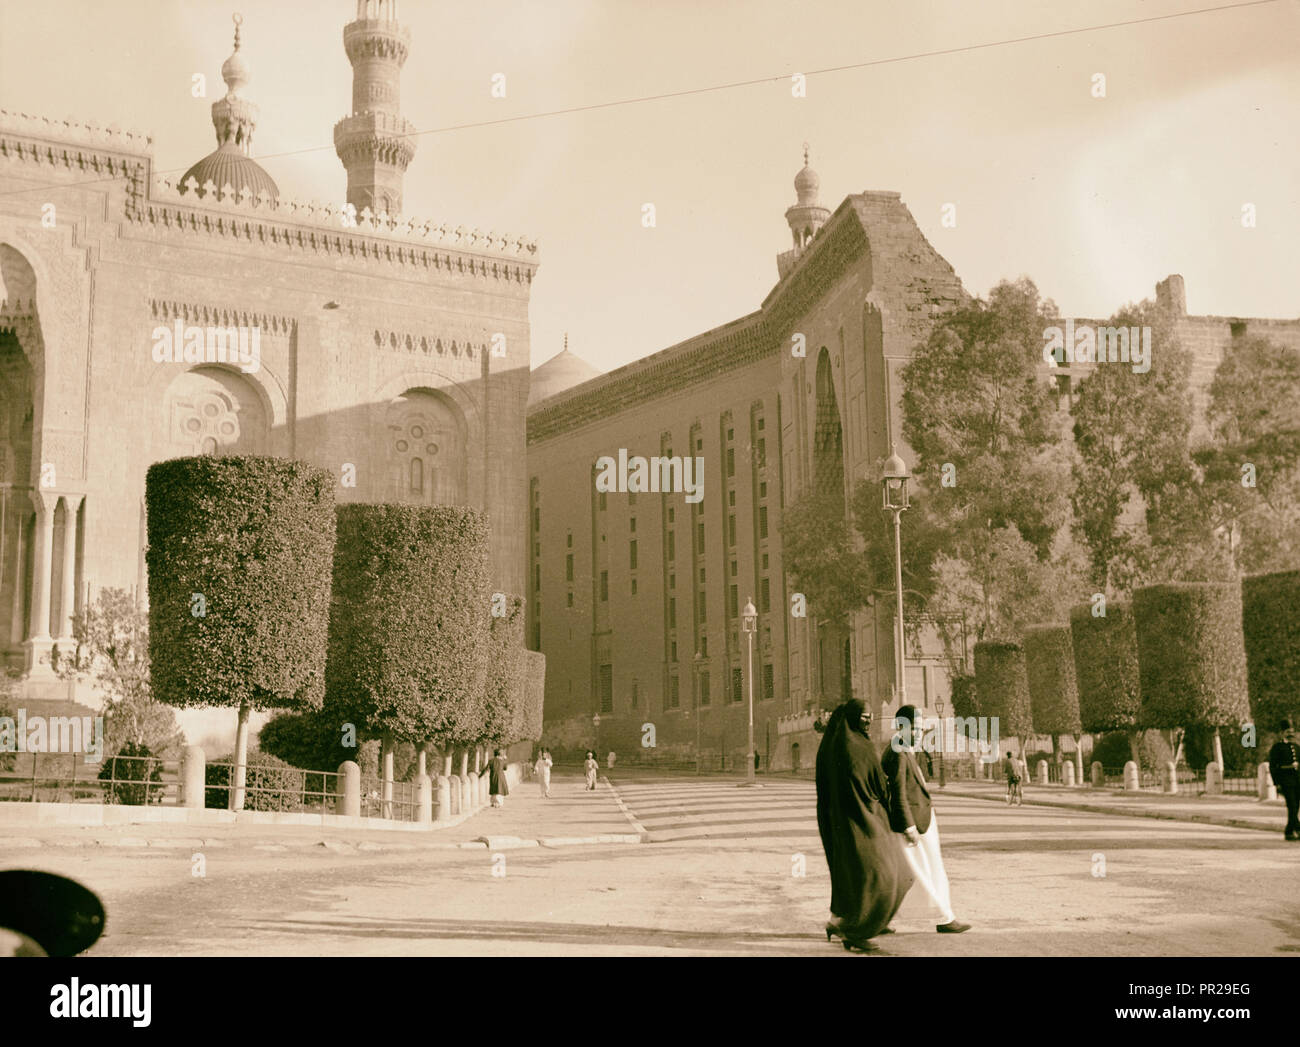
(1284, 766)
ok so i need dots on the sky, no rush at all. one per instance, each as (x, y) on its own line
(1093, 198)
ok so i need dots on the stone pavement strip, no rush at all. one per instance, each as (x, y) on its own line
(571, 816)
(1238, 812)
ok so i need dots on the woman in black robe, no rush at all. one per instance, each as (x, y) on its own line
(869, 875)
(498, 787)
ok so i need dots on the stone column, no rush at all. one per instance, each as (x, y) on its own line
(38, 636)
(71, 504)
(424, 799)
(193, 768)
(1264, 783)
(1132, 780)
(1213, 779)
(1043, 778)
(1067, 773)
(443, 809)
(349, 797)
(17, 629)
(1169, 777)
(1098, 774)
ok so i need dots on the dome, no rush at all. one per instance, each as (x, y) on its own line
(562, 371)
(228, 166)
(235, 71)
(807, 184)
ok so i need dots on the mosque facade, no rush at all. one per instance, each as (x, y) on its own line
(143, 319)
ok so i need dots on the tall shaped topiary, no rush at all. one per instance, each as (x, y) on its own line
(408, 632)
(504, 690)
(1003, 688)
(528, 718)
(1053, 688)
(1270, 622)
(1191, 656)
(1106, 669)
(239, 558)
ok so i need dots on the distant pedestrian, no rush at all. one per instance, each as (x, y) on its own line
(1015, 790)
(592, 768)
(498, 787)
(543, 769)
(1284, 766)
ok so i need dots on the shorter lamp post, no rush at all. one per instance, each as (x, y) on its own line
(893, 483)
(942, 736)
(699, 681)
(595, 722)
(749, 623)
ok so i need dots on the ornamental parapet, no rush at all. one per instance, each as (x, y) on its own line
(341, 219)
(73, 132)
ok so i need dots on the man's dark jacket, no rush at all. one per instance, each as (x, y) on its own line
(909, 799)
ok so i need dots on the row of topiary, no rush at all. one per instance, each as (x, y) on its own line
(1194, 657)
(362, 621)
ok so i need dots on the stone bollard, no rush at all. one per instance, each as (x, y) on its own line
(1067, 774)
(349, 798)
(424, 799)
(442, 811)
(484, 789)
(193, 772)
(468, 793)
(1213, 779)
(1169, 778)
(1264, 783)
(1042, 773)
(457, 793)
(1132, 781)
(1098, 774)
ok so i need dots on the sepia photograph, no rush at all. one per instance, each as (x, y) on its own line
(583, 479)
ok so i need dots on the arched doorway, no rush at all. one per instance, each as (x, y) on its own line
(21, 378)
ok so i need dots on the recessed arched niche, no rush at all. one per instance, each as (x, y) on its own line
(213, 410)
(425, 450)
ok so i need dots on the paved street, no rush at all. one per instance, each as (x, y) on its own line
(714, 877)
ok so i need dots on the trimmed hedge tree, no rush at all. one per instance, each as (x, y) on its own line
(1003, 688)
(1053, 687)
(528, 721)
(240, 553)
(1106, 670)
(409, 631)
(504, 691)
(1191, 657)
(1270, 622)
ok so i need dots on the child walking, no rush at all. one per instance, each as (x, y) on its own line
(591, 767)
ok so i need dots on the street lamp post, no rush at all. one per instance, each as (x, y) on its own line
(893, 482)
(699, 679)
(942, 736)
(749, 623)
(595, 722)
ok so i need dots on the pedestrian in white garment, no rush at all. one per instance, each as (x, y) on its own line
(911, 816)
(543, 769)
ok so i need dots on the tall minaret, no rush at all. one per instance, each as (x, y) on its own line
(375, 143)
(807, 216)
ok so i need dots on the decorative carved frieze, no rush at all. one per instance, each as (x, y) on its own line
(427, 344)
(202, 315)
